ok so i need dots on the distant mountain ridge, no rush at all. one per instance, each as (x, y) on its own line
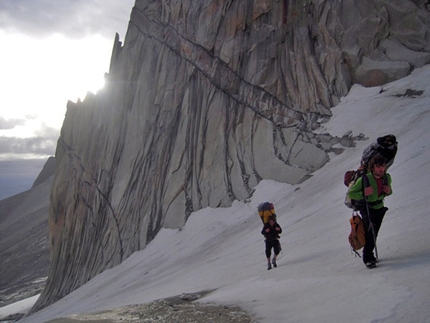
(24, 247)
(47, 171)
(203, 101)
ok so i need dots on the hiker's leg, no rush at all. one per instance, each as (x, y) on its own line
(268, 253)
(268, 250)
(377, 217)
(370, 243)
(276, 248)
(368, 247)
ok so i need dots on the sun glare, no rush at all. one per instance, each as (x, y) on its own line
(39, 76)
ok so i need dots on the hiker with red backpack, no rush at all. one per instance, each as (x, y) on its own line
(271, 232)
(369, 192)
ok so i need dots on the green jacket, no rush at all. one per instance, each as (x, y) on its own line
(375, 201)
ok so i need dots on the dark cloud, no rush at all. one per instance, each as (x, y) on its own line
(37, 145)
(43, 144)
(10, 123)
(72, 18)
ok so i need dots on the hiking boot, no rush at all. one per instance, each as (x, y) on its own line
(370, 264)
(274, 263)
(373, 259)
(269, 266)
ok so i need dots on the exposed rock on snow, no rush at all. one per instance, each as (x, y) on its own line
(175, 309)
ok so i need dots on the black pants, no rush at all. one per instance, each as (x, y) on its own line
(272, 244)
(376, 217)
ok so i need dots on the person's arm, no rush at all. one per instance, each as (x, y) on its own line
(356, 191)
(387, 188)
(263, 232)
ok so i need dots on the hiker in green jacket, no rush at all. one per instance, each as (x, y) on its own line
(373, 187)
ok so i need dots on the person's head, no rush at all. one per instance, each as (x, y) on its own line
(272, 220)
(377, 165)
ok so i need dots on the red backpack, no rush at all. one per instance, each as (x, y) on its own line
(357, 237)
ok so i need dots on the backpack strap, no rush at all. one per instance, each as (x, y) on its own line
(365, 181)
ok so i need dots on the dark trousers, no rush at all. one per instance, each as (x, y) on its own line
(272, 244)
(376, 217)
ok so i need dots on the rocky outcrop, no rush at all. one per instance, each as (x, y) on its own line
(48, 170)
(204, 100)
(178, 309)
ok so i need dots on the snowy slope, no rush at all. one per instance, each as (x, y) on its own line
(317, 279)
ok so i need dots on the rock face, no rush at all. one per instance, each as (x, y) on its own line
(204, 100)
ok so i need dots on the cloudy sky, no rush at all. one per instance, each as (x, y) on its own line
(52, 51)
